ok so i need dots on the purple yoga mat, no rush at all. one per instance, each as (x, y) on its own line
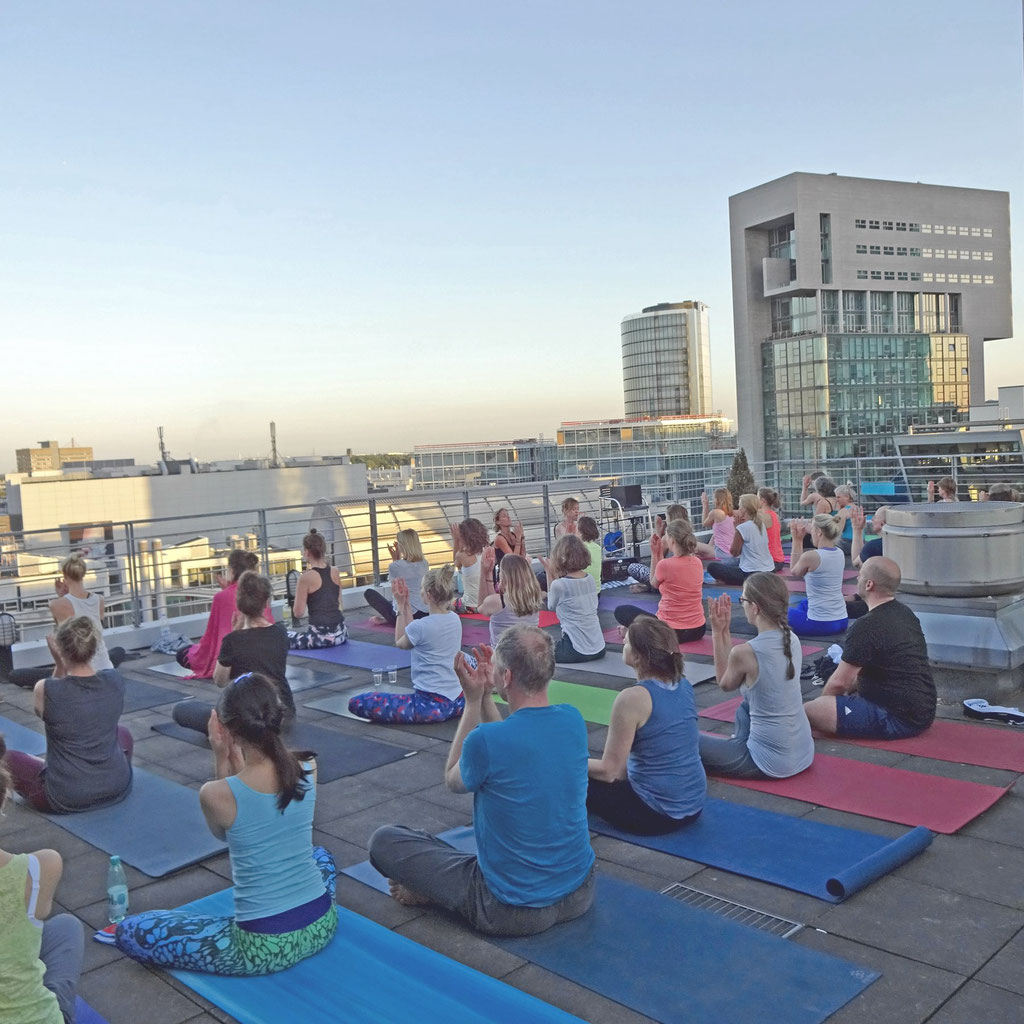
(359, 654)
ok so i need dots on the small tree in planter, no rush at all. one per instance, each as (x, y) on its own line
(741, 480)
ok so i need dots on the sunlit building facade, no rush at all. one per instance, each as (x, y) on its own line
(477, 463)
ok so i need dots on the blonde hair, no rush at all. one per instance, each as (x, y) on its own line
(828, 525)
(682, 533)
(569, 504)
(723, 500)
(751, 504)
(74, 568)
(409, 547)
(568, 555)
(439, 585)
(519, 585)
(77, 640)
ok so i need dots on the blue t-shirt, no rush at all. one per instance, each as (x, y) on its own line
(528, 775)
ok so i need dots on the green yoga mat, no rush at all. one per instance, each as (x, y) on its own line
(592, 702)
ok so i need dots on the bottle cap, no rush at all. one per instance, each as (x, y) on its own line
(115, 859)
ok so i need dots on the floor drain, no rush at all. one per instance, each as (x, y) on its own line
(759, 919)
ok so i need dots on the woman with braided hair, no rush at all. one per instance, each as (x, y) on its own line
(261, 801)
(772, 738)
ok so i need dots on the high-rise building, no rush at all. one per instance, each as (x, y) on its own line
(861, 309)
(50, 456)
(666, 361)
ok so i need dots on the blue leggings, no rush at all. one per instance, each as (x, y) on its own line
(803, 626)
(406, 708)
(216, 945)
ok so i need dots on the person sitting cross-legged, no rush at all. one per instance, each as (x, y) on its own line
(883, 687)
(528, 776)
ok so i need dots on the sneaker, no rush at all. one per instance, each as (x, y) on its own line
(708, 578)
(107, 935)
(977, 707)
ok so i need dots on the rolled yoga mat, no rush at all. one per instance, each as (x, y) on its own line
(825, 861)
(958, 742)
(360, 654)
(338, 754)
(619, 949)
(367, 973)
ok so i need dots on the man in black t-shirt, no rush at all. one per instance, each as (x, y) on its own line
(882, 687)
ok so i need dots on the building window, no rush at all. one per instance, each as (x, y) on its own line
(873, 225)
(926, 229)
(876, 275)
(975, 254)
(989, 279)
(939, 229)
(887, 225)
(954, 279)
(965, 254)
(950, 229)
(825, 228)
(988, 256)
(976, 279)
(940, 278)
(862, 250)
(940, 254)
(890, 275)
(915, 276)
(901, 275)
(858, 223)
(975, 232)
(926, 278)
(901, 250)
(926, 254)
(916, 252)
(862, 275)
(965, 231)
(888, 250)
(987, 232)
(876, 250)
(901, 225)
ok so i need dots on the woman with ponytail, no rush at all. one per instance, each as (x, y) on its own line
(261, 801)
(772, 738)
(650, 779)
(434, 642)
(823, 611)
(749, 544)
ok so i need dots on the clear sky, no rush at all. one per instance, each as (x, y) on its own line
(390, 223)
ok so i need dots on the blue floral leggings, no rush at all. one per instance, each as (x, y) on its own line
(216, 945)
(407, 708)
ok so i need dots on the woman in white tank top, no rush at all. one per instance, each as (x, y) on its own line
(823, 611)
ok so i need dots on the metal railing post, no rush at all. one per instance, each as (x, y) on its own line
(465, 504)
(264, 541)
(374, 541)
(133, 573)
(547, 521)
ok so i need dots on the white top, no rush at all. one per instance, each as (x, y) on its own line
(471, 584)
(90, 608)
(412, 573)
(780, 740)
(435, 641)
(575, 602)
(825, 601)
(755, 556)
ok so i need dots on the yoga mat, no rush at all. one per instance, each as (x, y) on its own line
(610, 665)
(958, 742)
(474, 635)
(300, 677)
(21, 737)
(85, 1014)
(800, 587)
(608, 601)
(825, 861)
(360, 654)
(592, 702)
(368, 973)
(157, 828)
(338, 754)
(547, 618)
(721, 971)
(337, 703)
(892, 794)
(139, 695)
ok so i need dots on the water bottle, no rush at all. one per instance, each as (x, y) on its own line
(117, 891)
(165, 630)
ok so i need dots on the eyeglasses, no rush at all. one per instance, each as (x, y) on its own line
(745, 600)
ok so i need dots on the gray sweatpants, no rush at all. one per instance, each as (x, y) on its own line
(731, 756)
(61, 952)
(453, 880)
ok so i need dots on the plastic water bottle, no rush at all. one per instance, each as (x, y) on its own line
(117, 891)
(165, 630)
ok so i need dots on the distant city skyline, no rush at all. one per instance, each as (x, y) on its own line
(399, 225)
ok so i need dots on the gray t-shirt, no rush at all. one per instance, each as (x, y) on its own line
(85, 766)
(780, 740)
(412, 573)
(436, 640)
(574, 601)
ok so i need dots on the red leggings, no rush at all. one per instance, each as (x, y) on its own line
(26, 771)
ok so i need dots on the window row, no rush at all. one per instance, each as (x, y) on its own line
(939, 254)
(925, 229)
(904, 275)
(888, 275)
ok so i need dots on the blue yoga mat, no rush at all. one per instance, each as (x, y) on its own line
(157, 828)
(368, 973)
(20, 737)
(359, 654)
(85, 1014)
(806, 856)
(678, 964)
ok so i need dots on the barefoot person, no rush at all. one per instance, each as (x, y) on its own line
(882, 688)
(528, 777)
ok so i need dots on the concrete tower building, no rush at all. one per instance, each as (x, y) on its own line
(666, 361)
(861, 309)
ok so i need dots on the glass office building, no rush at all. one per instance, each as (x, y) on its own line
(669, 457)
(666, 361)
(484, 463)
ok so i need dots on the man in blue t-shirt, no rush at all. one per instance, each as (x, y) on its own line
(528, 776)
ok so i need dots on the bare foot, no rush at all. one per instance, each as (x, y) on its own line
(377, 620)
(639, 588)
(405, 896)
(622, 634)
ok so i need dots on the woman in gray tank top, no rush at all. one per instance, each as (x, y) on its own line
(772, 737)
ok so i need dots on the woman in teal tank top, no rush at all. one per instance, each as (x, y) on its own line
(262, 803)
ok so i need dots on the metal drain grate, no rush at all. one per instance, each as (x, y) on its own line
(759, 919)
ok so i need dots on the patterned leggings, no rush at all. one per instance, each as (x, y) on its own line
(216, 945)
(407, 708)
(317, 637)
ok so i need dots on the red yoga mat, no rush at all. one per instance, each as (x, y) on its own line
(546, 618)
(892, 794)
(800, 587)
(959, 742)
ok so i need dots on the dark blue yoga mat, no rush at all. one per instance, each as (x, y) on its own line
(368, 973)
(678, 964)
(21, 737)
(359, 654)
(157, 828)
(821, 860)
(85, 1014)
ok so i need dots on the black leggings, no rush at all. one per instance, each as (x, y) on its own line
(731, 575)
(28, 677)
(626, 613)
(619, 805)
(382, 606)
